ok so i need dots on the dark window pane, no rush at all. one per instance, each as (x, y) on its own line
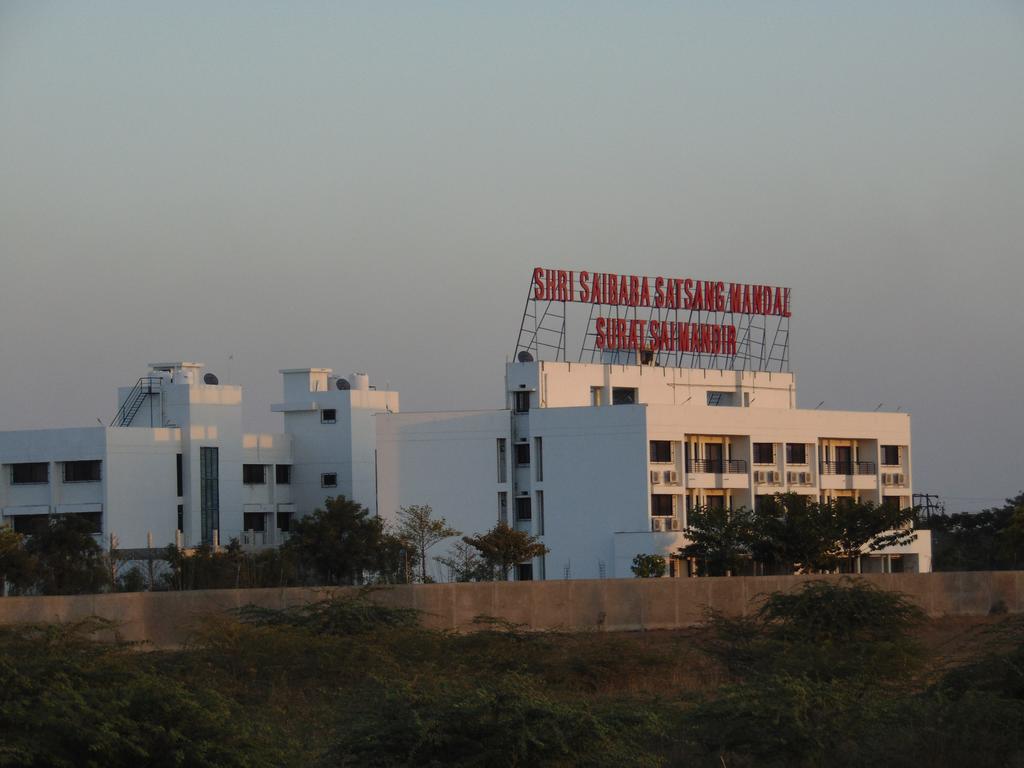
(764, 453)
(30, 473)
(524, 572)
(254, 521)
(796, 453)
(209, 492)
(522, 453)
(661, 451)
(329, 480)
(328, 416)
(661, 505)
(284, 521)
(522, 402)
(82, 471)
(179, 474)
(623, 396)
(283, 474)
(890, 455)
(523, 509)
(254, 474)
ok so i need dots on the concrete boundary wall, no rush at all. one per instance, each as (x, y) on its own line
(168, 619)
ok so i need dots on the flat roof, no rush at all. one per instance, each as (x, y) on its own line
(305, 370)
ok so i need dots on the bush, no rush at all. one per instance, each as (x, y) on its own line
(337, 615)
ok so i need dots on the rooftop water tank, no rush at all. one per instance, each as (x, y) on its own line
(359, 381)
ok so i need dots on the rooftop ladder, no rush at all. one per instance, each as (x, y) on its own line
(144, 387)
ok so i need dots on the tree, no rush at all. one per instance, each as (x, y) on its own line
(69, 560)
(339, 544)
(464, 564)
(866, 525)
(421, 530)
(503, 547)
(721, 539)
(649, 566)
(16, 564)
(794, 533)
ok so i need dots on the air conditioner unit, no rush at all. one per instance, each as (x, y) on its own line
(759, 476)
(655, 477)
(774, 477)
(672, 477)
(791, 477)
(886, 478)
(898, 478)
(804, 478)
(677, 524)
(659, 524)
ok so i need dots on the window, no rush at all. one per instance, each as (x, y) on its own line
(538, 458)
(540, 513)
(597, 395)
(523, 509)
(30, 525)
(624, 396)
(503, 507)
(661, 505)
(329, 480)
(254, 474)
(764, 453)
(891, 455)
(209, 492)
(502, 460)
(719, 398)
(328, 416)
(179, 476)
(82, 471)
(181, 516)
(661, 451)
(524, 572)
(254, 521)
(715, 502)
(284, 521)
(796, 453)
(522, 400)
(37, 472)
(522, 454)
(283, 474)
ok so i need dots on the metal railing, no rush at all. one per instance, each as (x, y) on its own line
(716, 466)
(144, 387)
(848, 468)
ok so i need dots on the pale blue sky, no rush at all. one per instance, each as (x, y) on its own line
(367, 186)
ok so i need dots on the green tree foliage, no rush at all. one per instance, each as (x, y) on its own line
(340, 544)
(792, 532)
(721, 540)
(66, 701)
(16, 564)
(649, 566)
(509, 720)
(420, 531)
(228, 568)
(463, 563)
(68, 560)
(992, 539)
(503, 547)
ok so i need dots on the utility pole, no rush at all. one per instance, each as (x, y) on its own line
(930, 504)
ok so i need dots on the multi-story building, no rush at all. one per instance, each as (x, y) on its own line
(603, 461)
(175, 466)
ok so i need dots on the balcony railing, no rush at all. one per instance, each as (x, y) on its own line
(716, 466)
(848, 468)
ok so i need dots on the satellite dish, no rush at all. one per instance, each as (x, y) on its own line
(524, 357)
(343, 384)
(211, 380)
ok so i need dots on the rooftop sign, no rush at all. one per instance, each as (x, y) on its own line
(662, 320)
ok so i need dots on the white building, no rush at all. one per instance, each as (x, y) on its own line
(175, 466)
(602, 462)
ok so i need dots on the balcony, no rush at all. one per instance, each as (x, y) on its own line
(716, 466)
(848, 468)
(848, 475)
(717, 473)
